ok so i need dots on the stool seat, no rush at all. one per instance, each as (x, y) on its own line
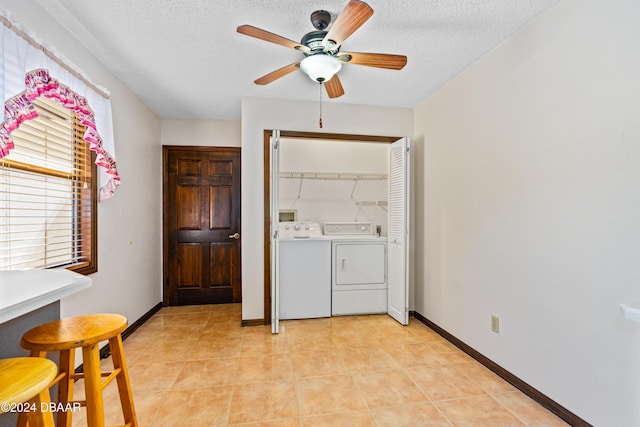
(26, 380)
(22, 378)
(73, 332)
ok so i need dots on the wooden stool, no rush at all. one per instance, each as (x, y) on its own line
(86, 332)
(24, 388)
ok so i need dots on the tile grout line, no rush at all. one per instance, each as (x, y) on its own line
(433, 403)
(524, 422)
(233, 384)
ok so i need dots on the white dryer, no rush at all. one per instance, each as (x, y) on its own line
(358, 268)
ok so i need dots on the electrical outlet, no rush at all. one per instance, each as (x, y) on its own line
(495, 324)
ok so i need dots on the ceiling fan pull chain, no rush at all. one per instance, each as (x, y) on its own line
(320, 121)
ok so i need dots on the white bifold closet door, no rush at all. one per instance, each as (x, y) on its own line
(275, 242)
(398, 235)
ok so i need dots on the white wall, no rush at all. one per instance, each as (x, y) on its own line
(528, 207)
(129, 277)
(207, 133)
(334, 200)
(259, 114)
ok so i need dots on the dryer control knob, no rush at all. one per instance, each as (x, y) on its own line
(306, 227)
(296, 227)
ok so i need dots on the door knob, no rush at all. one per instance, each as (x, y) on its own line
(234, 236)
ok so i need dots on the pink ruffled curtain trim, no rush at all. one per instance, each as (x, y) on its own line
(19, 109)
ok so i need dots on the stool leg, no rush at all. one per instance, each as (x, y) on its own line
(41, 418)
(93, 385)
(65, 385)
(23, 418)
(124, 385)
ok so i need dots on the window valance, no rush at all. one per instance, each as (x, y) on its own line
(29, 68)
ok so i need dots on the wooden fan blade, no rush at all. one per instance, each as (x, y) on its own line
(350, 19)
(334, 87)
(251, 31)
(275, 75)
(377, 60)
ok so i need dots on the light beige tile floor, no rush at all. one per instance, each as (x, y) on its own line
(196, 366)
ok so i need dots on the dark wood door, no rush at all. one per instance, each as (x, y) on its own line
(201, 198)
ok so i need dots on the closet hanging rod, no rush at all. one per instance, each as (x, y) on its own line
(334, 176)
(380, 203)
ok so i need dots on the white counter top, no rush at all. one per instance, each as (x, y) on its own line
(23, 291)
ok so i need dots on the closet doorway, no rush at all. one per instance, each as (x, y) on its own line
(271, 217)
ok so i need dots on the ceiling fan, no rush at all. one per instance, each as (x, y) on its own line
(321, 48)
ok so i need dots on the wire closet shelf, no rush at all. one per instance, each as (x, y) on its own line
(334, 176)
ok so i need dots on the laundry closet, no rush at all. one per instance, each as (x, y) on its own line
(341, 245)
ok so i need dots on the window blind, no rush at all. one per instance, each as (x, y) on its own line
(46, 202)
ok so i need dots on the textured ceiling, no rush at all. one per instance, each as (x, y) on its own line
(185, 59)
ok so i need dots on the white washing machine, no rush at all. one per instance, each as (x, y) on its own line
(304, 271)
(358, 268)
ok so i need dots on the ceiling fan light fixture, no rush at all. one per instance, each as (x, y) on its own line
(320, 68)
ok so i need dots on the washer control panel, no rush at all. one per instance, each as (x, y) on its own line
(299, 229)
(348, 228)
